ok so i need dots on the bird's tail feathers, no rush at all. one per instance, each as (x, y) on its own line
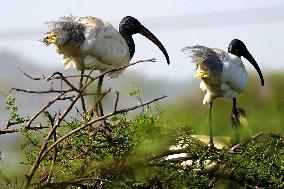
(67, 29)
(198, 53)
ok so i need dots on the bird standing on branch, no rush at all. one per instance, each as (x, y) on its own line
(92, 43)
(222, 73)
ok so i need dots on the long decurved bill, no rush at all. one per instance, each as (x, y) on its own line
(249, 57)
(146, 33)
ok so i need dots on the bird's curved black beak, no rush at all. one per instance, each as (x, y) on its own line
(250, 58)
(146, 33)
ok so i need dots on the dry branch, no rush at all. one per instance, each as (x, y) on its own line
(80, 93)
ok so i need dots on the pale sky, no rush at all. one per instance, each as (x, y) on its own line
(259, 23)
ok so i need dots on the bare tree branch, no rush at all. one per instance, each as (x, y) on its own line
(51, 119)
(42, 92)
(64, 79)
(27, 75)
(80, 93)
(5, 131)
(43, 109)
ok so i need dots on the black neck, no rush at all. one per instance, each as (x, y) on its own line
(129, 41)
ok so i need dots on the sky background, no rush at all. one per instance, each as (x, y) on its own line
(259, 23)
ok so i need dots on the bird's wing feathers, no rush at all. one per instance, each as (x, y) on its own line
(105, 44)
(227, 67)
(82, 37)
(67, 30)
(234, 73)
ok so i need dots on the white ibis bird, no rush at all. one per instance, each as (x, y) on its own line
(222, 73)
(92, 43)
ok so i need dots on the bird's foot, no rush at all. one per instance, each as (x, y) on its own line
(211, 146)
(105, 127)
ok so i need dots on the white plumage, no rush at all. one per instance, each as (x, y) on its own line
(92, 43)
(103, 46)
(222, 74)
(230, 77)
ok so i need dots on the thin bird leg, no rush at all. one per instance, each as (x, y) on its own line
(235, 118)
(211, 144)
(99, 91)
(99, 103)
(82, 97)
(235, 123)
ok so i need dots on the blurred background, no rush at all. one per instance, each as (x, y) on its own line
(259, 23)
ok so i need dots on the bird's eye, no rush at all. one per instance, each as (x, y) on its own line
(196, 67)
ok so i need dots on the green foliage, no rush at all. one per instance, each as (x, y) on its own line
(31, 142)
(10, 103)
(261, 163)
(134, 153)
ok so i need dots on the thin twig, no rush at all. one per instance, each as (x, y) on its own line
(5, 131)
(43, 109)
(64, 79)
(9, 123)
(51, 119)
(121, 68)
(93, 94)
(42, 92)
(89, 75)
(27, 75)
(50, 134)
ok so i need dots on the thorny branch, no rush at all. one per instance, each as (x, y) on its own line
(54, 77)
(6, 131)
(44, 108)
(51, 119)
(81, 92)
(55, 121)
(43, 92)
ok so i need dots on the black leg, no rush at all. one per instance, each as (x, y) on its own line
(82, 97)
(235, 120)
(99, 91)
(211, 144)
(235, 123)
(99, 103)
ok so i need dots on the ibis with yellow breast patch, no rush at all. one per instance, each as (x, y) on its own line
(222, 73)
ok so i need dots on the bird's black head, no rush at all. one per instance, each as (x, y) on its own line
(238, 48)
(129, 26)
